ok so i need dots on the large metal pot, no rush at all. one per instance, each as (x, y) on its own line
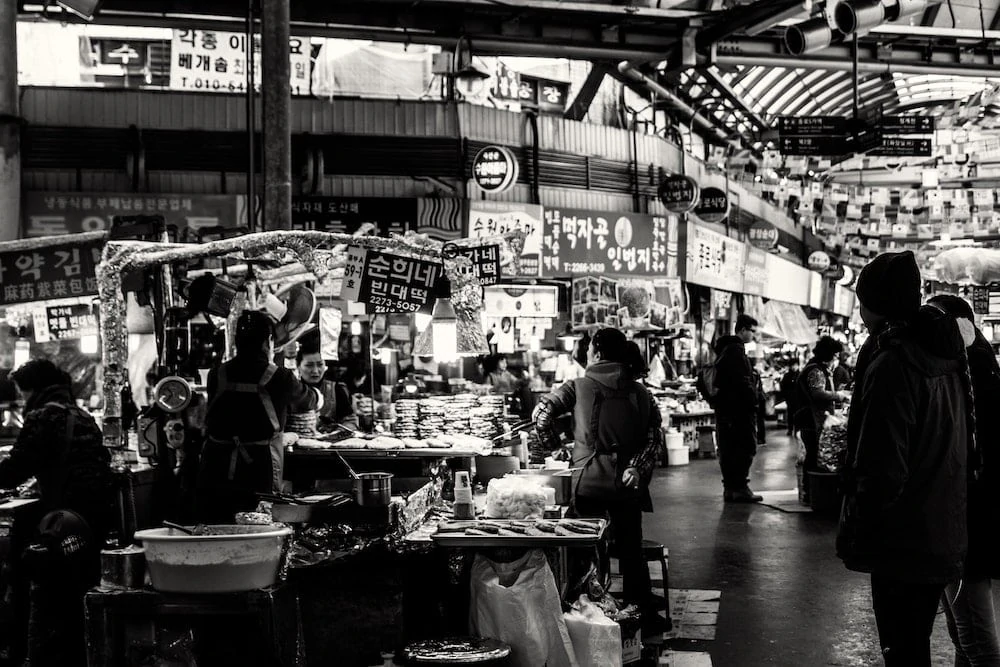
(371, 489)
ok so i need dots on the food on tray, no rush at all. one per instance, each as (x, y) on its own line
(515, 497)
(289, 439)
(311, 443)
(385, 442)
(569, 528)
(352, 443)
(415, 443)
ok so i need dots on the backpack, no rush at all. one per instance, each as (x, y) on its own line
(706, 385)
(617, 431)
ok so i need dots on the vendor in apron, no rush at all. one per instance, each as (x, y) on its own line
(248, 400)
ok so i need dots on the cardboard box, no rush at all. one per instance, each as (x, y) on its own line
(631, 642)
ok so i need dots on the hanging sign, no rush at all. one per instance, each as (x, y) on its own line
(495, 168)
(906, 124)
(818, 261)
(714, 259)
(755, 271)
(66, 322)
(55, 272)
(678, 193)
(596, 242)
(713, 205)
(903, 146)
(492, 218)
(485, 263)
(763, 235)
(388, 283)
(212, 61)
(346, 215)
(801, 126)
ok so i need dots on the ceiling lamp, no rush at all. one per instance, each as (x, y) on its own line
(440, 339)
(464, 74)
(809, 36)
(568, 338)
(858, 16)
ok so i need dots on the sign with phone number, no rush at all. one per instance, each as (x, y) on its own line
(388, 283)
(56, 272)
(213, 61)
(581, 241)
(69, 322)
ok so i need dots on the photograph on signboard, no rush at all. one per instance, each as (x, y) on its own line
(609, 291)
(658, 314)
(581, 289)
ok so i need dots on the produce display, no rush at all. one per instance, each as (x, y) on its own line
(514, 497)
(422, 418)
(831, 452)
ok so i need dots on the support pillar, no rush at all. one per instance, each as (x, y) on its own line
(277, 107)
(10, 125)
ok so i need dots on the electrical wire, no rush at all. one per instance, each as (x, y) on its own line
(951, 11)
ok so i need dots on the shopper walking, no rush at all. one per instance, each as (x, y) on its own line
(904, 517)
(616, 439)
(816, 399)
(968, 603)
(790, 393)
(736, 411)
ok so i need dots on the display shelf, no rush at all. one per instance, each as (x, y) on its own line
(519, 541)
(425, 453)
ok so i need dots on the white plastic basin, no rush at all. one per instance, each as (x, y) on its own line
(230, 559)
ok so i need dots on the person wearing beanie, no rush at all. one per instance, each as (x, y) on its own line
(968, 602)
(909, 443)
(248, 401)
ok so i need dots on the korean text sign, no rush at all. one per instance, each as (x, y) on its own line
(345, 215)
(70, 322)
(388, 283)
(56, 213)
(593, 242)
(714, 259)
(485, 263)
(56, 272)
(216, 62)
(493, 218)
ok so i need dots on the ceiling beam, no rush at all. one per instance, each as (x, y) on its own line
(585, 97)
(719, 84)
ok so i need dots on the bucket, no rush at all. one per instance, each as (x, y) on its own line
(678, 456)
(824, 492)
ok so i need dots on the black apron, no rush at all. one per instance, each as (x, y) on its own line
(232, 470)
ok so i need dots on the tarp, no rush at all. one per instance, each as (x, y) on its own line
(785, 322)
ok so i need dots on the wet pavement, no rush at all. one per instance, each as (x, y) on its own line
(786, 599)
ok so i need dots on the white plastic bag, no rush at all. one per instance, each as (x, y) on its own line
(597, 640)
(518, 603)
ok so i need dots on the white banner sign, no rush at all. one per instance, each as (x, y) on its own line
(490, 218)
(216, 62)
(714, 259)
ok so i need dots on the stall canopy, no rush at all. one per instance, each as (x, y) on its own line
(785, 322)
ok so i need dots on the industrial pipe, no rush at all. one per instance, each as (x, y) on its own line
(873, 66)
(628, 70)
(809, 36)
(858, 16)
(899, 9)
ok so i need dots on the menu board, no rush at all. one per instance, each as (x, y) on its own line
(388, 283)
(213, 61)
(492, 218)
(55, 272)
(485, 263)
(714, 259)
(65, 322)
(582, 241)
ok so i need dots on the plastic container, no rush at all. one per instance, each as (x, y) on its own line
(678, 456)
(229, 559)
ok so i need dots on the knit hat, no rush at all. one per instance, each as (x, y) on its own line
(890, 285)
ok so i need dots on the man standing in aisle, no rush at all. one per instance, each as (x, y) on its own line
(736, 405)
(909, 443)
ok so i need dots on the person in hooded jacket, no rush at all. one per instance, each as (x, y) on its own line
(904, 514)
(968, 603)
(628, 436)
(60, 446)
(737, 411)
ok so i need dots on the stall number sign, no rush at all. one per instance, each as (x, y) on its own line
(586, 242)
(216, 62)
(981, 300)
(678, 193)
(485, 263)
(495, 169)
(56, 272)
(70, 322)
(388, 283)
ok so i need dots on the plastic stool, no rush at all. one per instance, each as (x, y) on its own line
(472, 651)
(652, 552)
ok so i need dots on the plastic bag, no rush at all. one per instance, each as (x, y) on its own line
(597, 640)
(831, 453)
(518, 603)
(800, 450)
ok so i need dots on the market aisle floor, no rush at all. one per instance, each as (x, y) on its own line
(785, 597)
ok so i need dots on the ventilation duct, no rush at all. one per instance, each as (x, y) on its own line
(858, 16)
(810, 36)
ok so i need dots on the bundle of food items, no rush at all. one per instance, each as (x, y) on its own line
(515, 497)
(302, 423)
(520, 528)
(423, 418)
(831, 453)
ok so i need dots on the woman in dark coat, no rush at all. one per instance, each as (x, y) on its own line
(968, 603)
(816, 398)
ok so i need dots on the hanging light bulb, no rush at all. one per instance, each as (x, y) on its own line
(444, 324)
(22, 353)
(355, 327)
(421, 320)
(568, 338)
(88, 344)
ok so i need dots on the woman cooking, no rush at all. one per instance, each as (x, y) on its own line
(248, 400)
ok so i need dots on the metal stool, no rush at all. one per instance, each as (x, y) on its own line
(706, 442)
(652, 552)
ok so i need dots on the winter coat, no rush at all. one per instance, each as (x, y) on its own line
(77, 478)
(904, 511)
(816, 397)
(735, 381)
(984, 493)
